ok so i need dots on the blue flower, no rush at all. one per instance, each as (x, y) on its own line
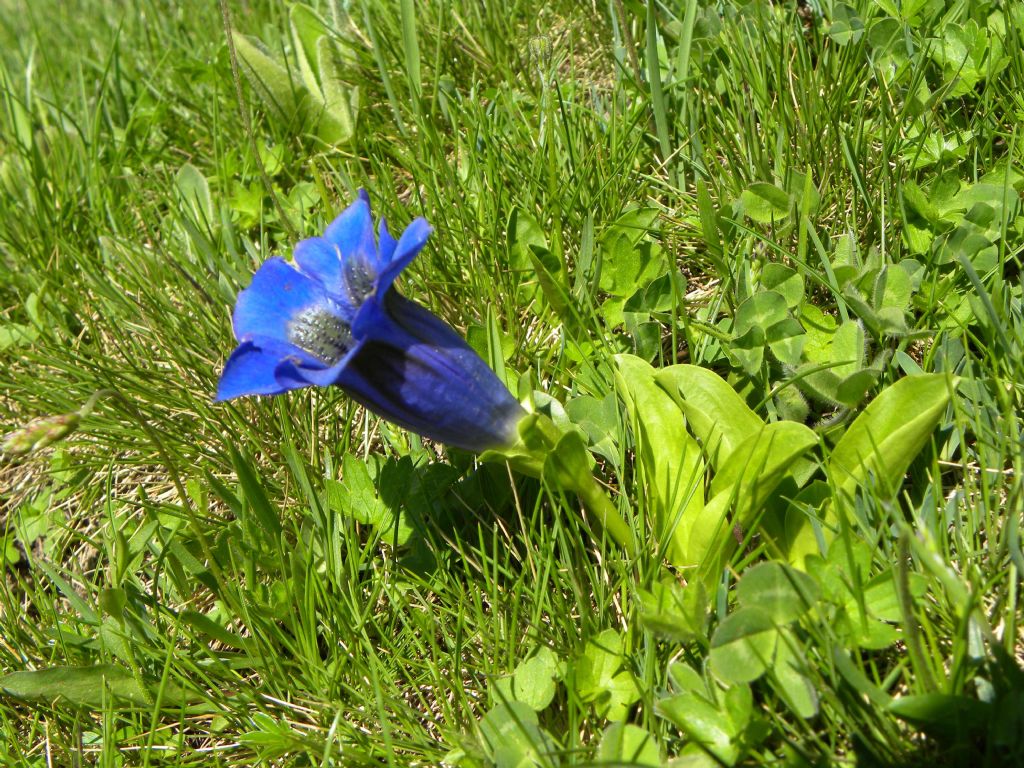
(334, 318)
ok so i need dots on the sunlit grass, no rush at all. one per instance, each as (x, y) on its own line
(261, 614)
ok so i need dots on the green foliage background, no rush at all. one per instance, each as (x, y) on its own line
(768, 212)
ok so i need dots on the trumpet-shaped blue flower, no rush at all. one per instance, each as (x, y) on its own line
(334, 318)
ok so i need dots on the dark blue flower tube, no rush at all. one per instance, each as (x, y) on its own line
(334, 318)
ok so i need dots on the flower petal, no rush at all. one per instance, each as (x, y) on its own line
(320, 259)
(386, 243)
(413, 369)
(250, 369)
(352, 233)
(296, 373)
(278, 293)
(409, 244)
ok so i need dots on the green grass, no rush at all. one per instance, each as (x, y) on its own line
(665, 180)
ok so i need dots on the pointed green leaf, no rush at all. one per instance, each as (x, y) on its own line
(764, 203)
(718, 416)
(671, 458)
(269, 79)
(760, 463)
(880, 444)
(307, 30)
(743, 646)
(627, 744)
(340, 99)
(89, 687)
(783, 593)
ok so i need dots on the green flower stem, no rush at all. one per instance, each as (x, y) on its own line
(560, 458)
(596, 500)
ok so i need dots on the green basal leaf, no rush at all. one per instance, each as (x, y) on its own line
(674, 611)
(790, 680)
(600, 679)
(743, 645)
(718, 416)
(627, 744)
(880, 444)
(671, 459)
(782, 592)
(760, 463)
(764, 203)
(91, 687)
(270, 80)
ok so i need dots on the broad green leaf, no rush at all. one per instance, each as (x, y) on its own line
(600, 679)
(795, 688)
(89, 687)
(674, 611)
(846, 27)
(760, 463)
(671, 459)
(764, 203)
(269, 79)
(880, 444)
(707, 535)
(195, 192)
(535, 679)
(718, 416)
(513, 737)
(703, 722)
(743, 646)
(798, 539)
(627, 744)
(783, 593)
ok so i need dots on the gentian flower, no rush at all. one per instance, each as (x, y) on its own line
(334, 318)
